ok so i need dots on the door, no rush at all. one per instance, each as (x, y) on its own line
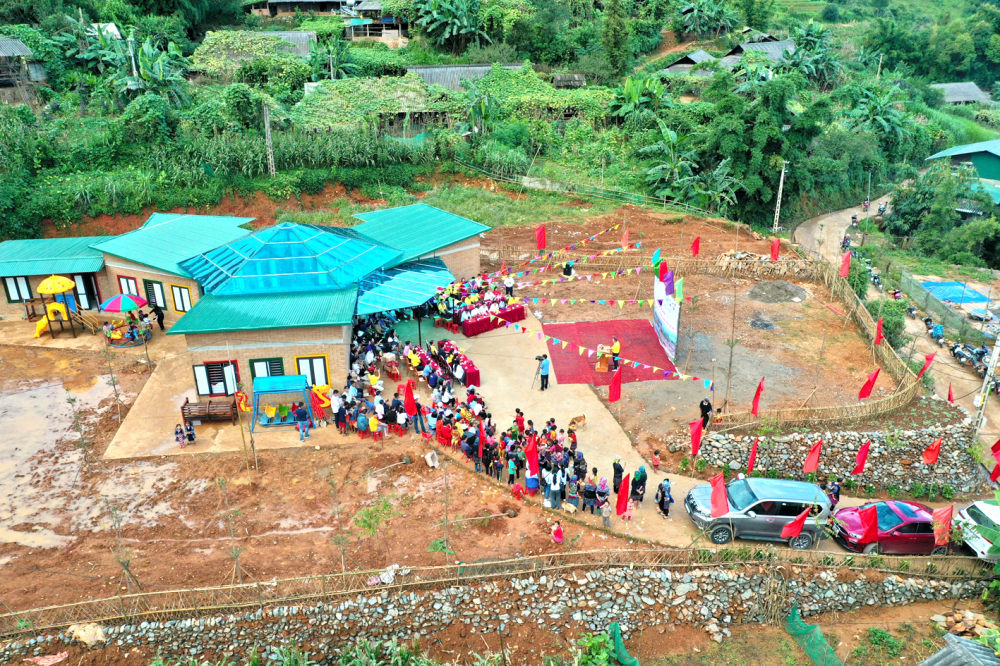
(314, 368)
(154, 293)
(910, 539)
(86, 291)
(763, 522)
(787, 512)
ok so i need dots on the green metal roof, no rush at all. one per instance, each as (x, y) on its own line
(48, 256)
(167, 239)
(416, 230)
(219, 314)
(992, 147)
(990, 189)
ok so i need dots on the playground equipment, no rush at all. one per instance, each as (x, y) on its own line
(270, 416)
(121, 340)
(57, 311)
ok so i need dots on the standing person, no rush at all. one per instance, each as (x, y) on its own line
(606, 512)
(834, 494)
(589, 495)
(573, 491)
(616, 348)
(638, 487)
(511, 471)
(158, 315)
(664, 499)
(179, 435)
(543, 370)
(419, 426)
(656, 460)
(508, 285)
(706, 413)
(619, 470)
(302, 419)
(556, 487)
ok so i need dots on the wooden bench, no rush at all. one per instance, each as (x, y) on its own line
(213, 410)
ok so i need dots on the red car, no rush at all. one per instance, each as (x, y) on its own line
(904, 528)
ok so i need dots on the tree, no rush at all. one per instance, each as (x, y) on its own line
(163, 72)
(880, 110)
(332, 60)
(615, 35)
(674, 165)
(450, 23)
(756, 13)
(707, 17)
(637, 95)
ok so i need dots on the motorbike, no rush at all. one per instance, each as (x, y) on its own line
(929, 323)
(912, 311)
(960, 353)
(854, 220)
(845, 244)
(877, 281)
(882, 208)
(937, 334)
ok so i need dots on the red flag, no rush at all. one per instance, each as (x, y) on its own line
(995, 474)
(695, 427)
(932, 452)
(540, 237)
(753, 456)
(951, 395)
(625, 239)
(869, 524)
(696, 246)
(775, 247)
(845, 264)
(531, 456)
(615, 390)
(942, 525)
(663, 270)
(756, 397)
(409, 404)
(866, 390)
(878, 332)
(720, 503)
(812, 458)
(623, 493)
(482, 438)
(928, 359)
(794, 528)
(995, 449)
(862, 458)
(503, 267)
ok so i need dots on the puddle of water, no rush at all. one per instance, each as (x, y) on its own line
(37, 476)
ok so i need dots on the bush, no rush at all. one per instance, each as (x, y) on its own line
(399, 175)
(312, 181)
(278, 74)
(893, 313)
(512, 135)
(830, 13)
(148, 119)
(495, 156)
(858, 278)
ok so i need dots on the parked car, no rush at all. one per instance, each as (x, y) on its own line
(979, 513)
(904, 528)
(760, 509)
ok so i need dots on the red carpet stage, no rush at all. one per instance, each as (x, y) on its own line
(639, 343)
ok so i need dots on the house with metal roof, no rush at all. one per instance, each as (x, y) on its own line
(282, 300)
(775, 51)
(961, 651)
(965, 92)
(689, 64)
(984, 156)
(14, 58)
(25, 263)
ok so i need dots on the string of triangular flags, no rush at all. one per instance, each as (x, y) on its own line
(707, 383)
(548, 255)
(581, 260)
(586, 276)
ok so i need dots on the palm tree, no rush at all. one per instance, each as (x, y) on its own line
(152, 70)
(753, 71)
(707, 16)
(715, 189)
(482, 112)
(639, 95)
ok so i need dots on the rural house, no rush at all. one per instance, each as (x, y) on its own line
(966, 92)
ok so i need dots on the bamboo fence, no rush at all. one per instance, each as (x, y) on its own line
(749, 266)
(156, 606)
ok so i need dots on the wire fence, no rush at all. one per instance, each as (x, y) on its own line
(949, 317)
(173, 604)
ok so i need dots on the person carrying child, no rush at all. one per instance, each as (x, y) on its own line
(179, 435)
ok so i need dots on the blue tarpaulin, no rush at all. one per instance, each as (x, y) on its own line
(956, 292)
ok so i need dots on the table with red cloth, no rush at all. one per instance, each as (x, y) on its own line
(426, 359)
(471, 371)
(473, 327)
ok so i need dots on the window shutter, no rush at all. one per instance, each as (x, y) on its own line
(229, 377)
(201, 379)
(216, 378)
(261, 369)
(275, 367)
(305, 368)
(22, 284)
(319, 371)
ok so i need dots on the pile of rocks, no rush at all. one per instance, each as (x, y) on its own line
(894, 458)
(563, 602)
(965, 623)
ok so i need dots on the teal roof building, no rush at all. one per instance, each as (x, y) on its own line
(985, 156)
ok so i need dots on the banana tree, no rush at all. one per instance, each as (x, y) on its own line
(992, 535)
(154, 70)
(453, 23)
(331, 60)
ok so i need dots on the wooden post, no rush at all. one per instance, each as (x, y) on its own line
(267, 140)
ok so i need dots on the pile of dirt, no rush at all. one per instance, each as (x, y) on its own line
(778, 291)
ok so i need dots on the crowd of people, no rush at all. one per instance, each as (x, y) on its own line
(476, 298)
(136, 324)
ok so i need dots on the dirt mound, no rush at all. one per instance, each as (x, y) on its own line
(778, 291)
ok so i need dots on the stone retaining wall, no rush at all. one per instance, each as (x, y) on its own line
(567, 602)
(894, 458)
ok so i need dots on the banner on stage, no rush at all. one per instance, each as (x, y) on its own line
(666, 318)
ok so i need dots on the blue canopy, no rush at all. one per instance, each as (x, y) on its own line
(295, 384)
(406, 286)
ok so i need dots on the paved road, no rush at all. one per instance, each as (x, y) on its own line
(823, 234)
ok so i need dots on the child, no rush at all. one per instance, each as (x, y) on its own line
(629, 510)
(656, 460)
(511, 471)
(189, 430)
(179, 435)
(557, 533)
(606, 514)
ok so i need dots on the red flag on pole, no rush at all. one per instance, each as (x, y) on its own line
(482, 438)
(663, 270)
(995, 474)
(531, 456)
(720, 503)
(623, 493)
(869, 524)
(775, 248)
(615, 390)
(866, 390)
(540, 237)
(859, 466)
(942, 525)
(932, 452)
(951, 394)
(696, 246)
(845, 264)
(625, 239)
(878, 332)
(995, 449)
(812, 458)
(503, 267)
(794, 528)
(756, 397)
(928, 359)
(753, 456)
(695, 427)
(409, 403)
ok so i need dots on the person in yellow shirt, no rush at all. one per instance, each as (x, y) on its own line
(616, 348)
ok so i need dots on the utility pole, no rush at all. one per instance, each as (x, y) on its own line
(332, 77)
(267, 140)
(878, 74)
(131, 53)
(984, 392)
(781, 187)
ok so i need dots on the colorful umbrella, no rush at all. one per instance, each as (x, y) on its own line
(123, 303)
(56, 284)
